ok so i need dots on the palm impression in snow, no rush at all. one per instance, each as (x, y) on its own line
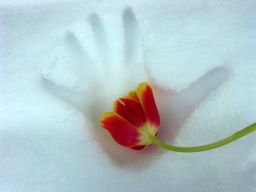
(135, 120)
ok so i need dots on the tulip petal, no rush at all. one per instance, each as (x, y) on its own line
(133, 95)
(131, 110)
(139, 147)
(123, 132)
(146, 98)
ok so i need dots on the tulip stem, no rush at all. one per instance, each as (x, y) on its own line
(216, 144)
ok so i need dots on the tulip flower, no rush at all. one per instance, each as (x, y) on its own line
(134, 123)
(134, 118)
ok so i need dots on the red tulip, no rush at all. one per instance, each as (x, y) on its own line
(134, 118)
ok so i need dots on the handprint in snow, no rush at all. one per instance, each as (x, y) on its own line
(111, 75)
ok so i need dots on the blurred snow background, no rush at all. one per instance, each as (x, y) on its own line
(47, 144)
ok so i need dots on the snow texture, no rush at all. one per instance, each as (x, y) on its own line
(63, 63)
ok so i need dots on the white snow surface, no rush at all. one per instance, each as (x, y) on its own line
(199, 56)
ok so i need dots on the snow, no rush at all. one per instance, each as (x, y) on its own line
(62, 64)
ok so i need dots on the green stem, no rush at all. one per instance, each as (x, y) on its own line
(217, 144)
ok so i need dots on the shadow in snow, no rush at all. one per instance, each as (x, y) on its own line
(175, 107)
